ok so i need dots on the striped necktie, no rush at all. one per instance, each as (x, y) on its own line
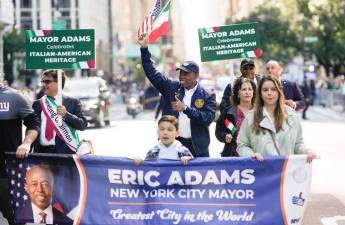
(43, 217)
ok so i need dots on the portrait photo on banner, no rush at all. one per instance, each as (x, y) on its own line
(44, 190)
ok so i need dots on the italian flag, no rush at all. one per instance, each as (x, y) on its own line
(160, 25)
(251, 54)
(209, 30)
(38, 33)
(230, 126)
(84, 64)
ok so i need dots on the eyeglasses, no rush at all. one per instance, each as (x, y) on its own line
(47, 82)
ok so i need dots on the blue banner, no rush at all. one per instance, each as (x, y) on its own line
(106, 190)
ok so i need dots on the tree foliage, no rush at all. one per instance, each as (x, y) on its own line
(329, 26)
(14, 42)
(278, 41)
(283, 30)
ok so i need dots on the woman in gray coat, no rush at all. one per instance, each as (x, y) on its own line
(272, 128)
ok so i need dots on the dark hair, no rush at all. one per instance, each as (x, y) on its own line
(235, 98)
(279, 112)
(170, 119)
(54, 75)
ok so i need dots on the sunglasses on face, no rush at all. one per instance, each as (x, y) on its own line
(47, 82)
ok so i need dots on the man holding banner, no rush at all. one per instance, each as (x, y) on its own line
(14, 110)
(55, 137)
(185, 99)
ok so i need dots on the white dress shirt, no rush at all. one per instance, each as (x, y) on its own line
(36, 214)
(183, 120)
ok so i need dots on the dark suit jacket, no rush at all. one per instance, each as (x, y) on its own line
(74, 118)
(229, 113)
(293, 92)
(200, 117)
(25, 215)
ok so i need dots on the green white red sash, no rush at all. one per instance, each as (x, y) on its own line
(64, 132)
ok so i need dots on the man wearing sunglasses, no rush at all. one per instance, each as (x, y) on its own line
(247, 71)
(55, 137)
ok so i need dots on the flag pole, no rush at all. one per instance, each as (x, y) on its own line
(59, 96)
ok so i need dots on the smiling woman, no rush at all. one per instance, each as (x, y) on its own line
(272, 128)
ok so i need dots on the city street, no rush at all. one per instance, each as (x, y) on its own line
(88, 60)
(323, 132)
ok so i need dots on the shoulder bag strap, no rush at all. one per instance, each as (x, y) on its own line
(274, 142)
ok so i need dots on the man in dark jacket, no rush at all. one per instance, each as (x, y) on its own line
(39, 182)
(248, 71)
(57, 138)
(293, 94)
(186, 100)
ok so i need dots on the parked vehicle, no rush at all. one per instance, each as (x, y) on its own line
(94, 95)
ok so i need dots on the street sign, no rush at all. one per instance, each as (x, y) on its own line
(229, 42)
(59, 25)
(55, 49)
(311, 39)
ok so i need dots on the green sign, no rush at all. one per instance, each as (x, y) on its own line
(59, 24)
(229, 42)
(311, 39)
(55, 49)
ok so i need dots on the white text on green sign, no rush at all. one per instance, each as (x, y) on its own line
(229, 42)
(60, 49)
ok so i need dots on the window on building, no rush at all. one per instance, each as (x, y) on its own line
(68, 24)
(26, 3)
(26, 24)
(64, 3)
(65, 13)
(25, 13)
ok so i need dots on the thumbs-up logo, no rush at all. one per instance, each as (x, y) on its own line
(298, 200)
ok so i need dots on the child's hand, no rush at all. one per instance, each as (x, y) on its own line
(137, 160)
(185, 159)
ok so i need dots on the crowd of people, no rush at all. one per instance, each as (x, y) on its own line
(258, 114)
(258, 119)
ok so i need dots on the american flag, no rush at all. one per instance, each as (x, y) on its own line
(146, 26)
(16, 173)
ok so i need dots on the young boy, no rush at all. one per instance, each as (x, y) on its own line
(168, 147)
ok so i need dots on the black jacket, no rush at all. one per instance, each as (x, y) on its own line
(229, 113)
(74, 118)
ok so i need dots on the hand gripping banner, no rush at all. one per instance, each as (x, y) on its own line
(106, 190)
